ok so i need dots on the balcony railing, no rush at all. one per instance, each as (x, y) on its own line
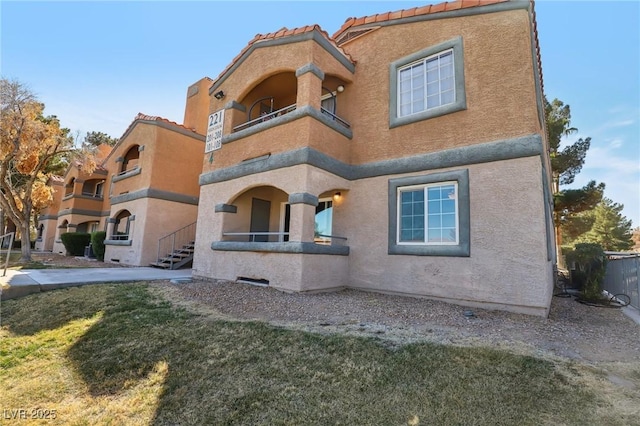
(265, 237)
(335, 117)
(265, 117)
(256, 236)
(131, 170)
(91, 194)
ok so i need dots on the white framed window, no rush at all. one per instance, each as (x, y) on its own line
(427, 84)
(428, 214)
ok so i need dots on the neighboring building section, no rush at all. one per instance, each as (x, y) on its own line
(153, 188)
(143, 189)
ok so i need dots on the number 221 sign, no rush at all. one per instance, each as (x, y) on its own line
(214, 131)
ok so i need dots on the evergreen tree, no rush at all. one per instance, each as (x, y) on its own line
(610, 228)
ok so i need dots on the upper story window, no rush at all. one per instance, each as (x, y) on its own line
(427, 84)
(130, 160)
(69, 187)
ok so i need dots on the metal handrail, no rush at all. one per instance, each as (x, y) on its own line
(266, 117)
(11, 236)
(335, 117)
(253, 235)
(177, 238)
(333, 236)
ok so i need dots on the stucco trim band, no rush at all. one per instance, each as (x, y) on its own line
(155, 193)
(225, 208)
(526, 146)
(312, 35)
(303, 198)
(47, 217)
(84, 212)
(305, 111)
(127, 174)
(286, 247)
(118, 242)
(235, 105)
(312, 68)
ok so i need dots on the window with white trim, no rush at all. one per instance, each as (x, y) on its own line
(428, 214)
(426, 84)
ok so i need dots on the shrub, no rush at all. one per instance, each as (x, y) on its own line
(97, 244)
(75, 242)
(590, 267)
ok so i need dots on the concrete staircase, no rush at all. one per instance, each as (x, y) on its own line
(176, 249)
(177, 259)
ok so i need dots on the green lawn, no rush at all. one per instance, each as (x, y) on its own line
(120, 354)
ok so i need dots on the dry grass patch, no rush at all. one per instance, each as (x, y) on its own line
(118, 354)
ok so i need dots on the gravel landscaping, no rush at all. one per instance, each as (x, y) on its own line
(572, 330)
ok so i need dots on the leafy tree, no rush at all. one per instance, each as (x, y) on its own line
(31, 148)
(99, 138)
(610, 228)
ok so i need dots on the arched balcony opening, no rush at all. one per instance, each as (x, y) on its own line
(93, 188)
(122, 226)
(130, 159)
(62, 229)
(88, 227)
(259, 216)
(271, 98)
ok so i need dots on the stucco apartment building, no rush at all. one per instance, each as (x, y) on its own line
(143, 189)
(405, 154)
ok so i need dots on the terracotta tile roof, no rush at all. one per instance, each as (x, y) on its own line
(281, 33)
(146, 117)
(415, 11)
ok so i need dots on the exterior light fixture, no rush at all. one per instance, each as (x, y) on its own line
(219, 95)
(337, 196)
(340, 88)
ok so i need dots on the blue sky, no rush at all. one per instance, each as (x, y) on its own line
(97, 64)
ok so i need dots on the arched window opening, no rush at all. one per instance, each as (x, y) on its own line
(131, 158)
(68, 188)
(122, 226)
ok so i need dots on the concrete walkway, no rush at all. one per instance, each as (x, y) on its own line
(18, 283)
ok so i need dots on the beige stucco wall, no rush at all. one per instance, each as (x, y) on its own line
(508, 266)
(300, 133)
(498, 71)
(507, 269)
(284, 271)
(154, 219)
